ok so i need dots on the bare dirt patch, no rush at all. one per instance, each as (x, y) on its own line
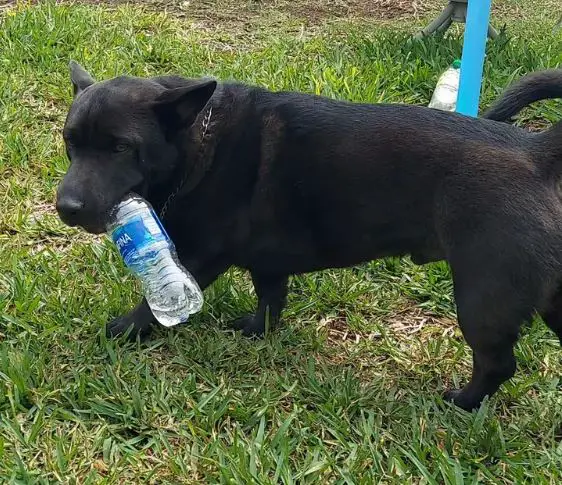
(316, 11)
(309, 11)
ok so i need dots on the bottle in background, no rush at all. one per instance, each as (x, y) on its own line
(170, 290)
(447, 89)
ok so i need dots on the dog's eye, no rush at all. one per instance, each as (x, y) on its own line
(121, 147)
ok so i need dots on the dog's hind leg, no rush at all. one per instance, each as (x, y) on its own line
(493, 300)
(272, 293)
(552, 316)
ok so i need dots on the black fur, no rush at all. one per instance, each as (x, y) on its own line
(287, 183)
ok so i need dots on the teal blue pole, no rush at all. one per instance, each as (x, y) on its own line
(473, 52)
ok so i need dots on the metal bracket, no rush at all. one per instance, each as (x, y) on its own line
(455, 11)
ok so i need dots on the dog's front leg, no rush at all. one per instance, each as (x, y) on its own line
(140, 319)
(272, 293)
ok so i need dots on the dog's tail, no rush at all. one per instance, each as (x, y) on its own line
(536, 86)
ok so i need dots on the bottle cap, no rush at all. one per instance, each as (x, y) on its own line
(457, 64)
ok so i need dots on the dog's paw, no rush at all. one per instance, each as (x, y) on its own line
(249, 326)
(121, 326)
(460, 399)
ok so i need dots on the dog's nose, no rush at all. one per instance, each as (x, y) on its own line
(69, 208)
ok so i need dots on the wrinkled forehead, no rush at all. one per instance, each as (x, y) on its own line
(116, 106)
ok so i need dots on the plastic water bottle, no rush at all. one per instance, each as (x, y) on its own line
(447, 89)
(170, 290)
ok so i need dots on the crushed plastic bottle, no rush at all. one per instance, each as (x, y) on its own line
(170, 290)
(447, 89)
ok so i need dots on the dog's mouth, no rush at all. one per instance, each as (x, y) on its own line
(94, 228)
(93, 225)
(96, 217)
(140, 189)
(102, 221)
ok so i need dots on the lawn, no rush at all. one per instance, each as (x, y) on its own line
(349, 389)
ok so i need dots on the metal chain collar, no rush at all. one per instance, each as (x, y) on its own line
(205, 124)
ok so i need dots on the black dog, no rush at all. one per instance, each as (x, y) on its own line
(286, 183)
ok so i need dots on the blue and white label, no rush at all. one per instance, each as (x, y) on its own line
(138, 233)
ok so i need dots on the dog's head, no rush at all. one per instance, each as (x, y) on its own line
(121, 135)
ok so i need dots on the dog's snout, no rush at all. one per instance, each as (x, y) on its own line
(69, 208)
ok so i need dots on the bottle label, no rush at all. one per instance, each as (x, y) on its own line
(138, 233)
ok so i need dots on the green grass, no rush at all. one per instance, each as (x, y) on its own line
(347, 392)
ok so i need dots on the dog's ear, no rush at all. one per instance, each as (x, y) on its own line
(179, 107)
(79, 77)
